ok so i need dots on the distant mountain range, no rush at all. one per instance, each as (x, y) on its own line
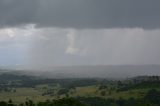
(99, 71)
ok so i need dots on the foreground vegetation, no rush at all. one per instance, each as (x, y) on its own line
(20, 90)
(152, 98)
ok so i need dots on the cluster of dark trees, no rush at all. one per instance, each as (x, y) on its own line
(60, 102)
(5, 89)
(11, 80)
(139, 83)
(152, 98)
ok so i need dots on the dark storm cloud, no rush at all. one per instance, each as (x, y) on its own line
(81, 13)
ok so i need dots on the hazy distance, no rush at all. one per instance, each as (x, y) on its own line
(103, 37)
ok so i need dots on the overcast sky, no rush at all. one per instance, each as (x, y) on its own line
(45, 33)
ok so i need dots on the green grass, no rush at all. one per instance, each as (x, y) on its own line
(22, 94)
(35, 94)
(92, 91)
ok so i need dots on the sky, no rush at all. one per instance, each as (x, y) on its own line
(48, 33)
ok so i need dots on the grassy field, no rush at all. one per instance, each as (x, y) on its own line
(22, 94)
(92, 91)
(35, 94)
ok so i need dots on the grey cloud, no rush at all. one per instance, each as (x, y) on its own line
(102, 47)
(48, 47)
(81, 13)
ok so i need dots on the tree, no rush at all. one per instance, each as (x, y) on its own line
(10, 103)
(119, 84)
(63, 91)
(2, 103)
(103, 93)
(120, 102)
(153, 96)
